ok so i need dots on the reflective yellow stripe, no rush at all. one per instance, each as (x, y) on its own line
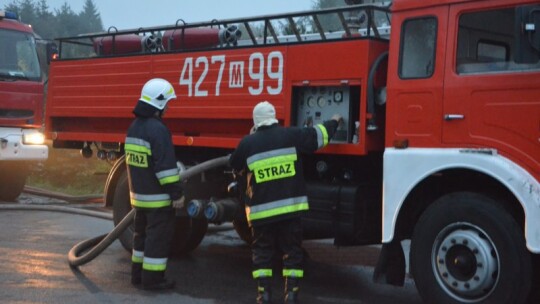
(153, 267)
(137, 256)
(277, 171)
(262, 273)
(295, 273)
(149, 197)
(169, 180)
(252, 216)
(136, 259)
(150, 204)
(154, 264)
(323, 141)
(137, 148)
(137, 159)
(272, 168)
(168, 176)
(271, 161)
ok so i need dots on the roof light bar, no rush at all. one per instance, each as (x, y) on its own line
(8, 15)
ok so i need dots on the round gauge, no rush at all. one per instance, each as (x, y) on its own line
(338, 96)
(321, 101)
(311, 101)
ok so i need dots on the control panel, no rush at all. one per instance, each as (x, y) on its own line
(316, 104)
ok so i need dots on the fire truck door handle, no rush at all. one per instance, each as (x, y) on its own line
(448, 117)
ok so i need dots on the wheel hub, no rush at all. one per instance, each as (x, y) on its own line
(461, 262)
(465, 262)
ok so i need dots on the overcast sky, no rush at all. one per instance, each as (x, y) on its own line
(132, 14)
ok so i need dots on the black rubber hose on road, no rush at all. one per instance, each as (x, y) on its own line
(100, 243)
(18, 207)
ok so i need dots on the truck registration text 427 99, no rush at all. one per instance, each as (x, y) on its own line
(265, 73)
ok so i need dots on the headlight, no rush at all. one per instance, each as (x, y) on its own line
(34, 138)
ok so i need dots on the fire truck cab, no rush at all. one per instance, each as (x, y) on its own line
(440, 143)
(21, 104)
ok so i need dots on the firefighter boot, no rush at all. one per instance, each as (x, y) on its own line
(264, 294)
(136, 273)
(291, 290)
(155, 280)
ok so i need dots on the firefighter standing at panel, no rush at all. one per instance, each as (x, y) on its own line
(277, 193)
(154, 184)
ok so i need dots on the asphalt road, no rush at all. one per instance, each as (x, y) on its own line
(34, 268)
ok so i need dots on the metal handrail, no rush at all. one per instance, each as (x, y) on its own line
(269, 34)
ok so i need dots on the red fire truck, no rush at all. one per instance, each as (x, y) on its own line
(21, 104)
(440, 143)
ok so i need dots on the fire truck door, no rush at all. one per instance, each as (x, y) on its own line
(492, 95)
(416, 89)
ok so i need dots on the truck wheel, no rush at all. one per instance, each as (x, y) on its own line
(534, 296)
(466, 249)
(188, 234)
(12, 180)
(243, 231)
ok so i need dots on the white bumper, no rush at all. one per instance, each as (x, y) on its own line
(12, 147)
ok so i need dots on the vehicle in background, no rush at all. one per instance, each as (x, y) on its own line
(22, 83)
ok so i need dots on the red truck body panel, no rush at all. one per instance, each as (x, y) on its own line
(92, 99)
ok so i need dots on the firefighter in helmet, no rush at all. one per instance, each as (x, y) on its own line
(154, 184)
(276, 191)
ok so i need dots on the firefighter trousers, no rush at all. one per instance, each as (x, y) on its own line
(283, 237)
(154, 229)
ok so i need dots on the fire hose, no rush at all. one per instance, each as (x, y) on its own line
(100, 243)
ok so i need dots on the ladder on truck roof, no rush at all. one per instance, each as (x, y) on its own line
(348, 22)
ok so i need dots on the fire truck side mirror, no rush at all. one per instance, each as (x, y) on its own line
(527, 32)
(52, 52)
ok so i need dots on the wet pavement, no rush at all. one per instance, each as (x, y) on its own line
(34, 267)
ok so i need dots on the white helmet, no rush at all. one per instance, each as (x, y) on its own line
(264, 114)
(157, 92)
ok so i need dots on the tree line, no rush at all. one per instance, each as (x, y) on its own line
(62, 22)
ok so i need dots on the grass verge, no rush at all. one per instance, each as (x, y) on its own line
(66, 171)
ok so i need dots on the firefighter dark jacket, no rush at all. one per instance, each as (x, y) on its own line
(271, 158)
(152, 171)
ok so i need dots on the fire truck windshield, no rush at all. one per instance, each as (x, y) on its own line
(19, 59)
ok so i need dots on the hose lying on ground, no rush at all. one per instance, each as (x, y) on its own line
(15, 207)
(63, 196)
(100, 243)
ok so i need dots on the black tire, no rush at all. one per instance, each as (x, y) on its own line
(534, 296)
(12, 180)
(188, 234)
(243, 231)
(467, 249)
